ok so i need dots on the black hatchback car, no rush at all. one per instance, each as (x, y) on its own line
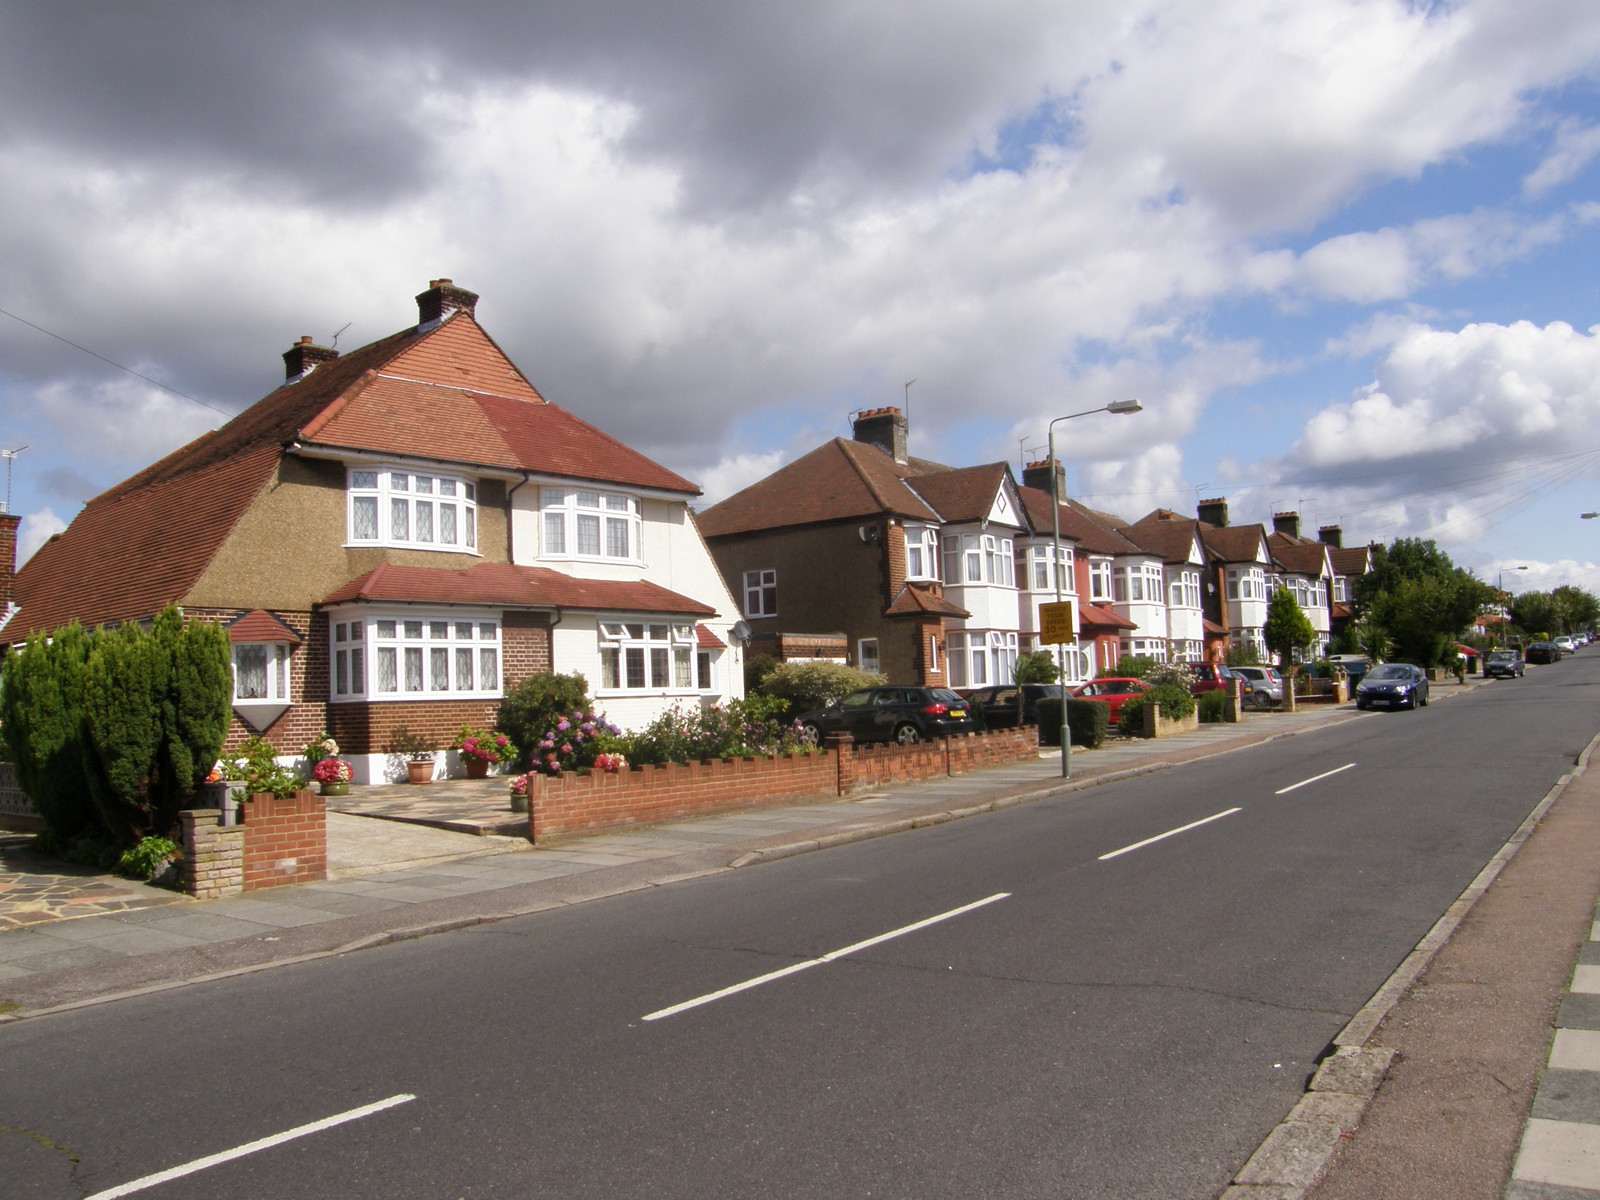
(999, 704)
(891, 714)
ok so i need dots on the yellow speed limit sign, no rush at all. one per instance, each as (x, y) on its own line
(1058, 623)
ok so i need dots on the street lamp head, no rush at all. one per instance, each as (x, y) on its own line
(1133, 406)
(1589, 516)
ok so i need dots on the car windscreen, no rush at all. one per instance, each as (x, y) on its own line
(1389, 671)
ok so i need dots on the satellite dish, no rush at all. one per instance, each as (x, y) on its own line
(741, 631)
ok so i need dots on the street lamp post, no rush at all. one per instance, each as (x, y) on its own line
(1500, 591)
(1116, 406)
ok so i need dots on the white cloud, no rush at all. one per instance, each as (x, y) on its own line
(1576, 145)
(730, 475)
(36, 529)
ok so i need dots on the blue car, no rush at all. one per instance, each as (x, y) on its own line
(1393, 685)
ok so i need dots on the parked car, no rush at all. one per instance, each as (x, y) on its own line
(1263, 686)
(1565, 644)
(1508, 663)
(1210, 677)
(998, 704)
(1114, 691)
(1393, 685)
(891, 714)
(1544, 652)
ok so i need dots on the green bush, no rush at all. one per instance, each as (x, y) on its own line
(141, 862)
(756, 669)
(1130, 666)
(1176, 702)
(814, 683)
(739, 729)
(1087, 722)
(535, 706)
(254, 768)
(1036, 666)
(1211, 705)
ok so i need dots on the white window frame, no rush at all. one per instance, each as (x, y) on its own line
(647, 656)
(868, 659)
(1099, 580)
(579, 524)
(761, 593)
(276, 679)
(397, 504)
(1184, 590)
(449, 653)
(922, 553)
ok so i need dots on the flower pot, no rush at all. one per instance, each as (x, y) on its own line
(519, 802)
(419, 770)
(339, 788)
(477, 768)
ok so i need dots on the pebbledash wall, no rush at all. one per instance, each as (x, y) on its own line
(572, 803)
(279, 841)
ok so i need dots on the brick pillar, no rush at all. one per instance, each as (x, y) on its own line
(843, 747)
(8, 557)
(213, 856)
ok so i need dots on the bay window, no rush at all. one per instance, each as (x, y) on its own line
(261, 672)
(979, 559)
(407, 508)
(415, 657)
(578, 523)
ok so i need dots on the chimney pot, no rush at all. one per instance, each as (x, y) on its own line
(1287, 523)
(1214, 512)
(441, 299)
(884, 428)
(1037, 475)
(1331, 535)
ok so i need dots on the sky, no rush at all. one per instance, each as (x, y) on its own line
(1343, 251)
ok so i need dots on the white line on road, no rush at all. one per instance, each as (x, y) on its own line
(277, 1139)
(1313, 779)
(817, 962)
(1172, 833)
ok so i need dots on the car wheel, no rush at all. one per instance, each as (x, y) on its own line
(907, 734)
(811, 734)
(1424, 699)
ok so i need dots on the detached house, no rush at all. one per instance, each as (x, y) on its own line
(397, 535)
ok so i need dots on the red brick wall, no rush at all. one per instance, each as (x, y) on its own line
(524, 646)
(8, 556)
(572, 803)
(365, 728)
(285, 841)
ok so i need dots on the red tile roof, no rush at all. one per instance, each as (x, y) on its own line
(704, 639)
(506, 586)
(914, 599)
(258, 625)
(446, 394)
(964, 494)
(1096, 617)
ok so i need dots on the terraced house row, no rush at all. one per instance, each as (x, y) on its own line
(935, 575)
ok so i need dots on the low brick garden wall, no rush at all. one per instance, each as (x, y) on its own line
(278, 841)
(573, 803)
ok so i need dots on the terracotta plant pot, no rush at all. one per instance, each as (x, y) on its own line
(477, 768)
(419, 770)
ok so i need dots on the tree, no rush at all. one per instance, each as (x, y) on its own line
(1578, 609)
(815, 683)
(1536, 614)
(41, 721)
(1288, 629)
(1421, 600)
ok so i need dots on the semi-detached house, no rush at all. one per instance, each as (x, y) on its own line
(394, 537)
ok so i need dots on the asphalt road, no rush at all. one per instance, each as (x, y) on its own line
(1078, 1023)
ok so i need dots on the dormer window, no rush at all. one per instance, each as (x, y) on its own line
(590, 524)
(409, 508)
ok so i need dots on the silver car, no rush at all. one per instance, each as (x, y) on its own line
(1263, 686)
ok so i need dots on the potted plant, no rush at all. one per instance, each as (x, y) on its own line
(333, 776)
(480, 750)
(519, 794)
(415, 750)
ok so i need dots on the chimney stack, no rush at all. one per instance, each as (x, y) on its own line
(1214, 512)
(884, 428)
(8, 559)
(441, 299)
(1037, 475)
(303, 357)
(1287, 523)
(1331, 535)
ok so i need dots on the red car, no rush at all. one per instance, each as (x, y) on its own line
(1211, 677)
(1115, 692)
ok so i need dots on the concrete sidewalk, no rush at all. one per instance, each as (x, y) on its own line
(1387, 1124)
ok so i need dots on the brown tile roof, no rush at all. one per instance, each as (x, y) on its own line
(1351, 560)
(1172, 540)
(1233, 543)
(914, 599)
(1299, 555)
(1077, 524)
(130, 553)
(446, 394)
(838, 481)
(704, 639)
(259, 626)
(507, 586)
(1096, 617)
(965, 493)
